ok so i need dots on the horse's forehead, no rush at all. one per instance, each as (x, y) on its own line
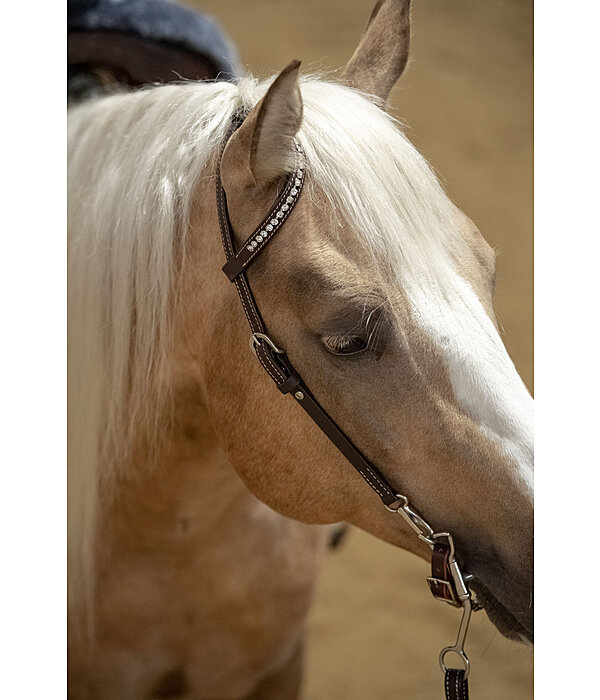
(323, 250)
(337, 254)
(320, 250)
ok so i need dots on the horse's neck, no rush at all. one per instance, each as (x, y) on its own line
(193, 557)
(188, 495)
(192, 491)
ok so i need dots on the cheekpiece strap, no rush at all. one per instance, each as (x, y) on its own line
(273, 359)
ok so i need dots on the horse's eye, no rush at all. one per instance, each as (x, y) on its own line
(345, 344)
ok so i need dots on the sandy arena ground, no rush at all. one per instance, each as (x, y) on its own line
(375, 632)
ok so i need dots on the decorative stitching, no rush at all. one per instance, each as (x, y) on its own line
(260, 359)
(465, 688)
(243, 300)
(267, 358)
(366, 478)
(459, 688)
(246, 299)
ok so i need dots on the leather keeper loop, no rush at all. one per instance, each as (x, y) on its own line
(441, 582)
(232, 268)
(290, 384)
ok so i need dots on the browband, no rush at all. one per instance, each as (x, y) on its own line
(272, 222)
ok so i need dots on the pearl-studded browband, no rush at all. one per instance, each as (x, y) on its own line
(271, 223)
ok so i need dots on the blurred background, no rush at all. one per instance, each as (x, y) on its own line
(466, 98)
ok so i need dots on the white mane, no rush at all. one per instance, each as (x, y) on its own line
(134, 162)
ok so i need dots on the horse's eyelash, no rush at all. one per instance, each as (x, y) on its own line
(373, 326)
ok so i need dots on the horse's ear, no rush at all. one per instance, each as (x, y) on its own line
(382, 53)
(262, 149)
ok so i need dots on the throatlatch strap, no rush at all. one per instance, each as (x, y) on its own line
(456, 685)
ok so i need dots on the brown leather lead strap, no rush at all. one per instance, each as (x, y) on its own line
(456, 685)
(369, 473)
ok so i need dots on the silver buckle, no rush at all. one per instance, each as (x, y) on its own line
(461, 588)
(255, 341)
(432, 582)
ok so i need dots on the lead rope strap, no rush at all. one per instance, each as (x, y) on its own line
(456, 685)
(446, 582)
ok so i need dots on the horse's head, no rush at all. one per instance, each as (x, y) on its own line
(380, 291)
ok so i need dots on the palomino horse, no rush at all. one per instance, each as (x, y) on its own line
(196, 489)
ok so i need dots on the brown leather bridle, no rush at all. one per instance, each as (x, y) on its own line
(446, 582)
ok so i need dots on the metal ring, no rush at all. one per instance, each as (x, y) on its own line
(427, 540)
(458, 652)
(401, 502)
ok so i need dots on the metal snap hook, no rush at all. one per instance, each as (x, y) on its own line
(422, 528)
(458, 647)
